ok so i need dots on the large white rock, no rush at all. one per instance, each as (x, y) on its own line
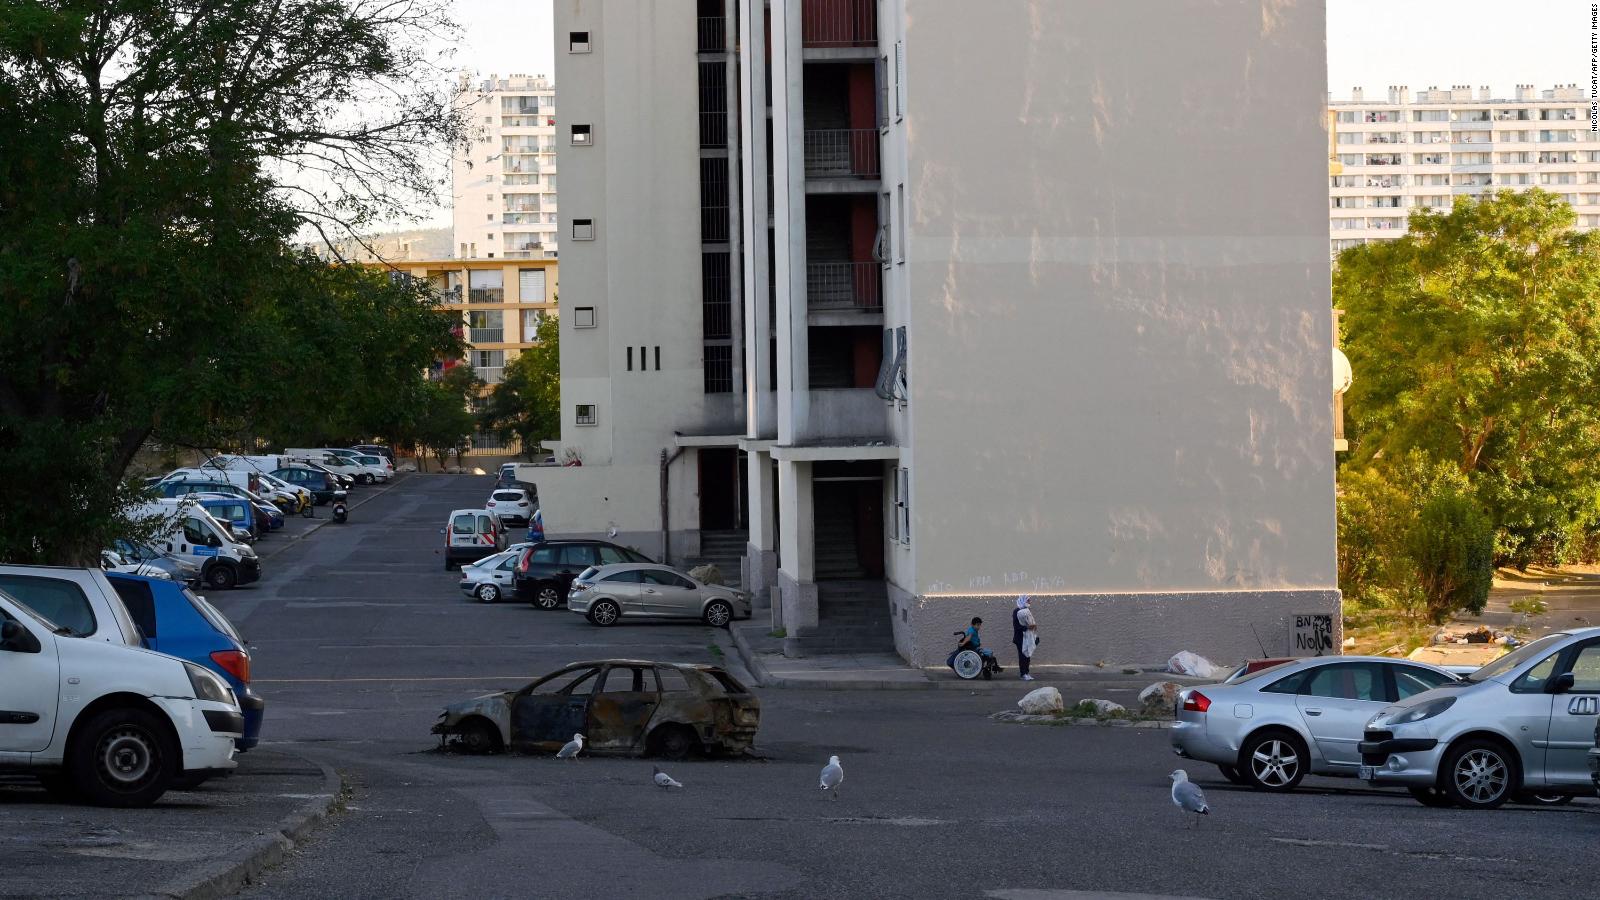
(1042, 701)
(1106, 707)
(1159, 699)
(1186, 663)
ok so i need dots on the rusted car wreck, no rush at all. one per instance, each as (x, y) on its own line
(622, 707)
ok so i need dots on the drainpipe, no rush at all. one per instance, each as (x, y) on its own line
(666, 534)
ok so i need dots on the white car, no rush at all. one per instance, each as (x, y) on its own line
(378, 466)
(471, 533)
(112, 723)
(511, 505)
(491, 579)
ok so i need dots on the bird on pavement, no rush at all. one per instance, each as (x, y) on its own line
(1187, 796)
(573, 747)
(663, 779)
(832, 775)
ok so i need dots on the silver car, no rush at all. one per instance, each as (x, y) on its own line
(491, 579)
(1273, 727)
(604, 594)
(1518, 728)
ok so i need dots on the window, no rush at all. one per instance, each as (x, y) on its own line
(672, 679)
(196, 533)
(1409, 681)
(587, 414)
(658, 358)
(610, 556)
(579, 682)
(531, 285)
(1348, 681)
(632, 576)
(545, 555)
(902, 505)
(628, 680)
(62, 602)
(1586, 670)
(900, 223)
(899, 80)
(578, 42)
(1290, 685)
(462, 524)
(666, 579)
(1533, 680)
(582, 136)
(530, 323)
(630, 357)
(488, 359)
(581, 555)
(583, 229)
(583, 317)
(141, 604)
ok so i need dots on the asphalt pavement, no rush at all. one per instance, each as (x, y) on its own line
(361, 636)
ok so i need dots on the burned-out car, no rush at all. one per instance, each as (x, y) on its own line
(622, 707)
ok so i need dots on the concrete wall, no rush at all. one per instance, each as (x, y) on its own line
(1119, 311)
(590, 501)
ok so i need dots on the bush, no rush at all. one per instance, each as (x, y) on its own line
(1452, 547)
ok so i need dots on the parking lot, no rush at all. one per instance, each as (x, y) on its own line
(361, 637)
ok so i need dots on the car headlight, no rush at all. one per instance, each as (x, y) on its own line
(207, 686)
(1422, 711)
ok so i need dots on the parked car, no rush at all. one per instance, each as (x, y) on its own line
(178, 622)
(328, 461)
(80, 601)
(606, 594)
(377, 450)
(323, 487)
(187, 531)
(147, 559)
(546, 570)
(469, 534)
(491, 579)
(380, 466)
(1520, 726)
(1272, 727)
(620, 706)
(112, 723)
(512, 505)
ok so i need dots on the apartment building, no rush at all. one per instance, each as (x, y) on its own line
(1398, 153)
(504, 180)
(984, 335)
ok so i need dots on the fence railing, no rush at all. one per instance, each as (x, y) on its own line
(713, 34)
(839, 23)
(486, 335)
(842, 153)
(486, 295)
(844, 285)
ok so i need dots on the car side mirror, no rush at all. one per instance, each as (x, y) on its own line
(15, 638)
(441, 531)
(1561, 683)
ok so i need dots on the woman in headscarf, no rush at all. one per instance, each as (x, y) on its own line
(1025, 634)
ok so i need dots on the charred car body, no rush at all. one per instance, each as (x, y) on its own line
(622, 707)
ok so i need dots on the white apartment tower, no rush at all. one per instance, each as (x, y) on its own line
(1397, 153)
(919, 336)
(504, 179)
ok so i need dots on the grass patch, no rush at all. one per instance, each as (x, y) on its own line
(716, 652)
(778, 633)
(1384, 632)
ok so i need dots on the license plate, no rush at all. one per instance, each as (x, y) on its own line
(1368, 773)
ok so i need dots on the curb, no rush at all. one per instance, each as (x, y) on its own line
(227, 876)
(367, 498)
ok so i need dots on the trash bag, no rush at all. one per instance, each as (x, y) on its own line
(1186, 663)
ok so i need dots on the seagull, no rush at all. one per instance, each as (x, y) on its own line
(572, 749)
(832, 774)
(666, 781)
(1186, 795)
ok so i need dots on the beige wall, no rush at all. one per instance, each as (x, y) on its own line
(1118, 297)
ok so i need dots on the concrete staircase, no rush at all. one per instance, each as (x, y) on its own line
(725, 550)
(852, 617)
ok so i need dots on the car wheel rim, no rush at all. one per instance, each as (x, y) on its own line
(488, 594)
(127, 758)
(1275, 763)
(605, 614)
(548, 598)
(1481, 776)
(717, 615)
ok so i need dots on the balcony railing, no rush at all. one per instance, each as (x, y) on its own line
(713, 34)
(486, 335)
(842, 153)
(486, 295)
(490, 375)
(844, 285)
(839, 23)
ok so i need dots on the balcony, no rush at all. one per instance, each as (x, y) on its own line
(844, 286)
(713, 34)
(486, 335)
(842, 153)
(490, 375)
(486, 295)
(839, 23)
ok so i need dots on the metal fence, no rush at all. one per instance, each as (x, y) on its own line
(842, 153)
(844, 285)
(839, 23)
(713, 34)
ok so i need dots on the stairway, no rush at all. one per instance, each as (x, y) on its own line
(852, 617)
(725, 550)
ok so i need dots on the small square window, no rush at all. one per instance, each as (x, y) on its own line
(578, 42)
(583, 229)
(489, 197)
(587, 414)
(583, 317)
(581, 136)
(488, 120)
(489, 217)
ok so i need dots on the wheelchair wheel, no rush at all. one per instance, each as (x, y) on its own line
(968, 665)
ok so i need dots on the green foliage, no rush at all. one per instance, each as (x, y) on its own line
(157, 163)
(527, 402)
(1452, 544)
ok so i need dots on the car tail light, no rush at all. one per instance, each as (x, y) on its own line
(1194, 701)
(522, 564)
(491, 503)
(235, 662)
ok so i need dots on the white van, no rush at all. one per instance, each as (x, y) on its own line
(190, 533)
(472, 534)
(111, 723)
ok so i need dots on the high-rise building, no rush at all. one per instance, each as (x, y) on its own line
(504, 180)
(919, 335)
(1397, 153)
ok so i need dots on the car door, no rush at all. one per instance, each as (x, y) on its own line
(668, 594)
(1336, 702)
(463, 531)
(30, 683)
(1572, 718)
(505, 574)
(547, 713)
(624, 588)
(620, 712)
(573, 559)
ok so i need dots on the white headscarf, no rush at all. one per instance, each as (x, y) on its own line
(1022, 601)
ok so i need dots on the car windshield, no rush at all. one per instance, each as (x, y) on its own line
(1517, 657)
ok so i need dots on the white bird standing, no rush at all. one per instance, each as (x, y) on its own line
(572, 748)
(663, 779)
(832, 775)
(1187, 796)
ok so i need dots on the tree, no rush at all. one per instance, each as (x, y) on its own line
(443, 422)
(157, 163)
(526, 404)
(1452, 546)
(1476, 340)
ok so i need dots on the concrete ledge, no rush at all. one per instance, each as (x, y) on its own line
(230, 873)
(1007, 715)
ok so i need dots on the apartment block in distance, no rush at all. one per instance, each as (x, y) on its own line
(988, 334)
(1397, 153)
(504, 181)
